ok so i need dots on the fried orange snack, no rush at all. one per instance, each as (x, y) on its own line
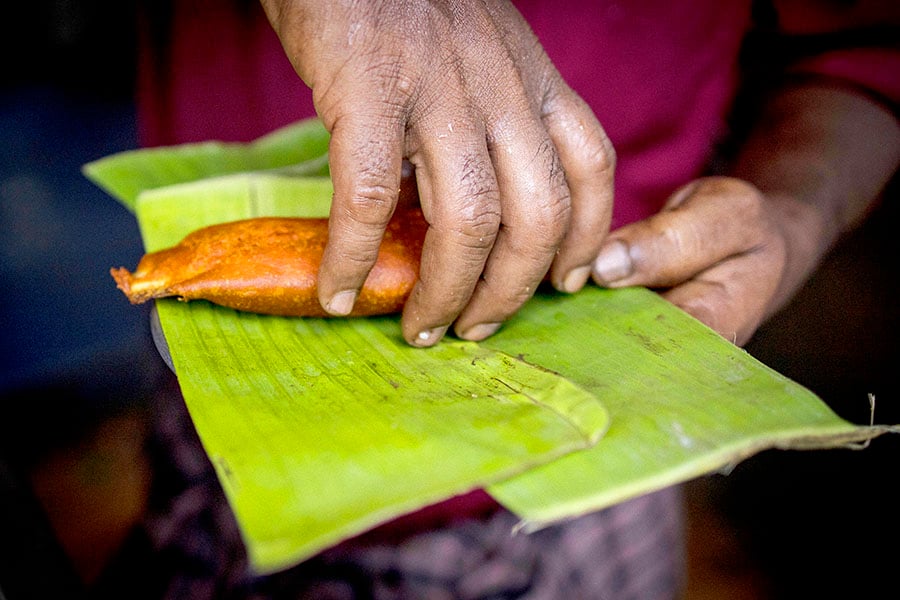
(269, 265)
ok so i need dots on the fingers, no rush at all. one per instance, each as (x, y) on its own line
(495, 195)
(535, 214)
(729, 298)
(714, 247)
(514, 173)
(588, 159)
(535, 211)
(554, 168)
(460, 199)
(584, 151)
(702, 224)
(365, 170)
(498, 206)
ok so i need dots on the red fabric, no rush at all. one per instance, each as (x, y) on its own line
(870, 67)
(876, 70)
(659, 75)
(222, 75)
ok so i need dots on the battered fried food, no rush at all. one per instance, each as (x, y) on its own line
(269, 265)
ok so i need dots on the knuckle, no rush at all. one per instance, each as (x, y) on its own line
(590, 146)
(544, 234)
(478, 230)
(675, 239)
(372, 202)
(390, 73)
(375, 184)
(746, 199)
(547, 161)
(507, 297)
(552, 212)
(599, 153)
(478, 183)
(357, 260)
(475, 216)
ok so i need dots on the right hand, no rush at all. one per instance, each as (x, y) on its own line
(514, 172)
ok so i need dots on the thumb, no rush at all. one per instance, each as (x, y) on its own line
(702, 224)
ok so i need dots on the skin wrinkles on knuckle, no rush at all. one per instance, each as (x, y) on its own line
(444, 298)
(474, 216)
(538, 256)
(501, 299)
(539, 227)
(374, 185)
(546, 160)
(358, 250)
(376, 84)
(591, 157)
(478, 232)
(435, 287)
(720, 234)
(551, 212)
(372, 202)
(597, 153)
(361, 259)
(545, 228)
(674, 240)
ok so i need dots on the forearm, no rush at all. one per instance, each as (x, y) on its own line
(822, 155)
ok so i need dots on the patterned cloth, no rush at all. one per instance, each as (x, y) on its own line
(629, 551)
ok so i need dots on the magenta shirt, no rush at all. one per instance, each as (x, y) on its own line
(659, 77)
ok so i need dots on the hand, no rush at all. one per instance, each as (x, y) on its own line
(514, 172)
(722, 251)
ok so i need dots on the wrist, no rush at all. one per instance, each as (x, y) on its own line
(807, 234)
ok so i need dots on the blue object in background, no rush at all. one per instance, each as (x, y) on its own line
(60, 234)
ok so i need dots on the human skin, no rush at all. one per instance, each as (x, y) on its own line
(733, 250)
(515, 173)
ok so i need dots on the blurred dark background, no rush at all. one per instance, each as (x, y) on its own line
(68, 69)
(77, 367)
(824, 524)
(76, 355)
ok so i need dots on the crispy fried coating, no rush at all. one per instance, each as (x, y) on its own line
(269, 265)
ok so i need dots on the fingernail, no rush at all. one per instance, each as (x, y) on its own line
(576, 279)
(613, 262)
(341, 303)
(476, 333)
(429, 337)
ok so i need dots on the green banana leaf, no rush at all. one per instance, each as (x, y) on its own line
(300, 148)
(322, 428)
(684, 401)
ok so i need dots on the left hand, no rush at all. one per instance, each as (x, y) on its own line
(719, 249)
